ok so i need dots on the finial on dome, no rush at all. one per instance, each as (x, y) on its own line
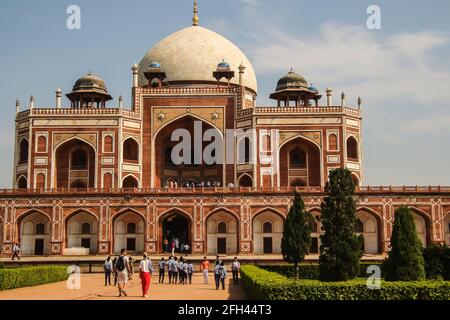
(195, 18)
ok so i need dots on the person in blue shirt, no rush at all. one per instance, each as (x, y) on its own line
(162, 266)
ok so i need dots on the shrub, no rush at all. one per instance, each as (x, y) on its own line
(437, 261)
(340, 250)
(405, 261)
(265, 285)
(310, 270)
(2, 265)
(31, 276)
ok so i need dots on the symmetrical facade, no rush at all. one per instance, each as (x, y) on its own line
(92, 179)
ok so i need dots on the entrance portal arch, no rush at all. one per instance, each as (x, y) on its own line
(175, 227)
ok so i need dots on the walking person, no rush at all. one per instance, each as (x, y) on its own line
(108, 268)
(186, 272)
(190, 271)
(175, 271)
(16, 251)
(223, 274)
(123, 269)
(169, 268)
(204, 267)
(235, 268)
(162, 266)
(186, 249)
(217, 274)
(172, 248)
(181, 270)
(115, 270)
(145, 273)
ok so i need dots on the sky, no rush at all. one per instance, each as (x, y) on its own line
(401, 71)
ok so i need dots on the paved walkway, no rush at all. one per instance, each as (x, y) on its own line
(92, 289)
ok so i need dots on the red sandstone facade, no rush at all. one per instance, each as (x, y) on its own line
(100, 178)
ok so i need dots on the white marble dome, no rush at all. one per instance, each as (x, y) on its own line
(192, 54)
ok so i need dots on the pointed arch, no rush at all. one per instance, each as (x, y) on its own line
(352, 146)
(183, 116)
(264, 241)
(245, 180)
(269, 209)
(130, 181)
(131, 149)
(24, 145)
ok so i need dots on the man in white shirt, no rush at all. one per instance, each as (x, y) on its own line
(16, 251)
(145, 272)
(123, 268)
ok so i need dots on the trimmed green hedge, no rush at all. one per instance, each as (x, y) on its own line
(308, 270)
(265, 285)
(31, 276)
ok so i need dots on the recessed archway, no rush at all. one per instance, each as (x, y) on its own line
(75, 165)
(245, 181)
(128, 231)
(130, 182)
(352, 149)
(300, 163)
(194, 167)
(421, 222)
(447, 228)
(317, 231)
(82, 231)
(23, 151)
(222, 233)
(369, 227)
(175, 227)
(22, 183)
(267, 232)
(34, 232)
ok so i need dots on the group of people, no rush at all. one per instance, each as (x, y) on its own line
(179, 271)
(191, 184)
(220, 271)
(122, 269)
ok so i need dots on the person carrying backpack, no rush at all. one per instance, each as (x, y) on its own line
(123, 269)
(162, 266)
(175, 271)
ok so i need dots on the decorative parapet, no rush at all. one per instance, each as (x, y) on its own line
(73, 111)
(189, 90)
(301, 110)
(222, 190)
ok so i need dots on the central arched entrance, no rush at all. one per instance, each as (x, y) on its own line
(201, 165)
(175, 227)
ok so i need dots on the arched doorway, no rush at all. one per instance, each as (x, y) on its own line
(352, 149)
(75, 165)
(23, 151)
(82, 231)
(194, 168)
(129, 230)
(130, 150)
(176, 228)
(447, 228)
(130, 182)
(245, 181)
(421, 227)
(368, 227)
(34, 231)
(222, 233)
(1, 235)
(267, 233)
(22, 183)
(300, 163)
(317, 231)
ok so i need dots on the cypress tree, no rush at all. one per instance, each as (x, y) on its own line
(296, 240)
(405, 261)
(340, 248)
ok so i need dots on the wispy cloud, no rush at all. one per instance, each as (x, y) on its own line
(395, 68)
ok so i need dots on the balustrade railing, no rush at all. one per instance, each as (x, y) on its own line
(220, 190)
